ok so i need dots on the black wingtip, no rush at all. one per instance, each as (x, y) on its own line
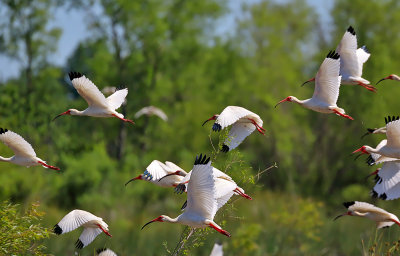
(370, 130)
(370, 161)
(216, 127)
(348, 204)
(184, 205)
(203, 160)
(79, 244)
(391, 119)
(374, 194)
(333, 55)
(225, 148)
(365, 49)
(57, 230)
(3, 130)
(383, 196)
(351, 30)
(98, 251)
(72, 75)
(180, 188)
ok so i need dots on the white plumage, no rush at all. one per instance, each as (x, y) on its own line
(243, 122)
(99, 105)
(105, 252)
(362, 209)
(151, 110)
(326, 92)
(23, 152)
(217, 250)
(92, 225)
(201, 202)
(387, 181)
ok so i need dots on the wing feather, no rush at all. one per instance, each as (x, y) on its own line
(17, 144)
(116, 99)
(87, 236)
(75, 219)
(238, 133)
(89, 91)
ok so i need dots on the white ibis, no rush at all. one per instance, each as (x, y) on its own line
(151, 110)
(391, 77)
(243, 122)
(326, 92)
(92, 225)
(99, 106)
(201, 202)
(352, 60)
(105, 252)
(163, 175)
(375, 158)
(217, 250)
(392, 148)
(362, 209)
(387, 181)
(23, 152)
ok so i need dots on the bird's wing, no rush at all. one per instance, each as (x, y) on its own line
(156, 170)
(217, 250)
(232, 114)
(221, 175)
(362, 56)
(174, 167)
(384, 224)
(393, 133)
(105, 252)
(151, 110)
(16, 143)
(327, 80)
(393, 193)
(223, 191)
(366, 207)
(116, 99)
(238, 133)
(87, 236)
(73, 220)
(387, 177)
(347, 48)
(88, 90)
(201, 190)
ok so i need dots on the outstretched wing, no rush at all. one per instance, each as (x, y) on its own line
(362, 56)
(173, 167)
(393, 133)
(386, 179)
(224, 191)
(347, 48)
(88, 90)
(237, 134)
(156, 170)
(116, 99)
(73, 220)
(87, 236)
(16, 143)
(231, 115)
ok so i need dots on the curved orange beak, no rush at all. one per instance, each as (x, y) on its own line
(285, 99)
(136, 178)
(159, 219)
(68, 112)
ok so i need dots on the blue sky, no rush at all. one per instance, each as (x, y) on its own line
(73, 25)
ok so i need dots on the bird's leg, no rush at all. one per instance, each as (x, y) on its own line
(48, 166)
(105, 231)
(343, 115)
(123, 119)
(367, 86)
(220, 230)
(259, 128)
(242, 194)
(395, 221)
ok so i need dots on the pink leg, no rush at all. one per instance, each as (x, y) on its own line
(220, 230)
(368, 87)
(343, 115)
(259, 128)
(106, 232)
(49, 166)
(242, 194)
(123, 119)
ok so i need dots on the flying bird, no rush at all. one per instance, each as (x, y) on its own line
(362, 209)
(23, 152)
(151, 110)
(391, 77)
(202, 204)
(99, 105)
(92, 225)
(392, 147)
(352, 61)
(243, 122)
(105, 252)
(157, 171)
(326, 92)
(387, 181)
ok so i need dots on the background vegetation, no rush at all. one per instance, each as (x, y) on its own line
(169, 54)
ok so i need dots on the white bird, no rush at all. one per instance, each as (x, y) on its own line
(362, 209)
(243, 122)
(387, 181)
(24, 153)
(99, 106)
(201, 202)
(352, 60)
(92, 225)
(217, 250)
(392, 147)
(326, 92)
(391, 77)
(105, 252)
(157, 171)
(151, 110)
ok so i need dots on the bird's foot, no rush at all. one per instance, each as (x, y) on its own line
(343, 115)
(123, 119)
(260, 129)
(242, 194)
(48, 166)
(368, 87)
(224, 232)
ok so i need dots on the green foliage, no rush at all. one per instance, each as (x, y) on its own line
(21, 234)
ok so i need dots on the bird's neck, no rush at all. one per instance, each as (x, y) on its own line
(75, 112)
(5, 159)
(171, 220)
(301, 102)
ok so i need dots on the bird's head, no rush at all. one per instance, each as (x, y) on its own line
(363, 150)
(391, 77)
(214, 117)
(140, 177)
(289, 99)
(72, 112)
(341, 215)
(161, 218)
